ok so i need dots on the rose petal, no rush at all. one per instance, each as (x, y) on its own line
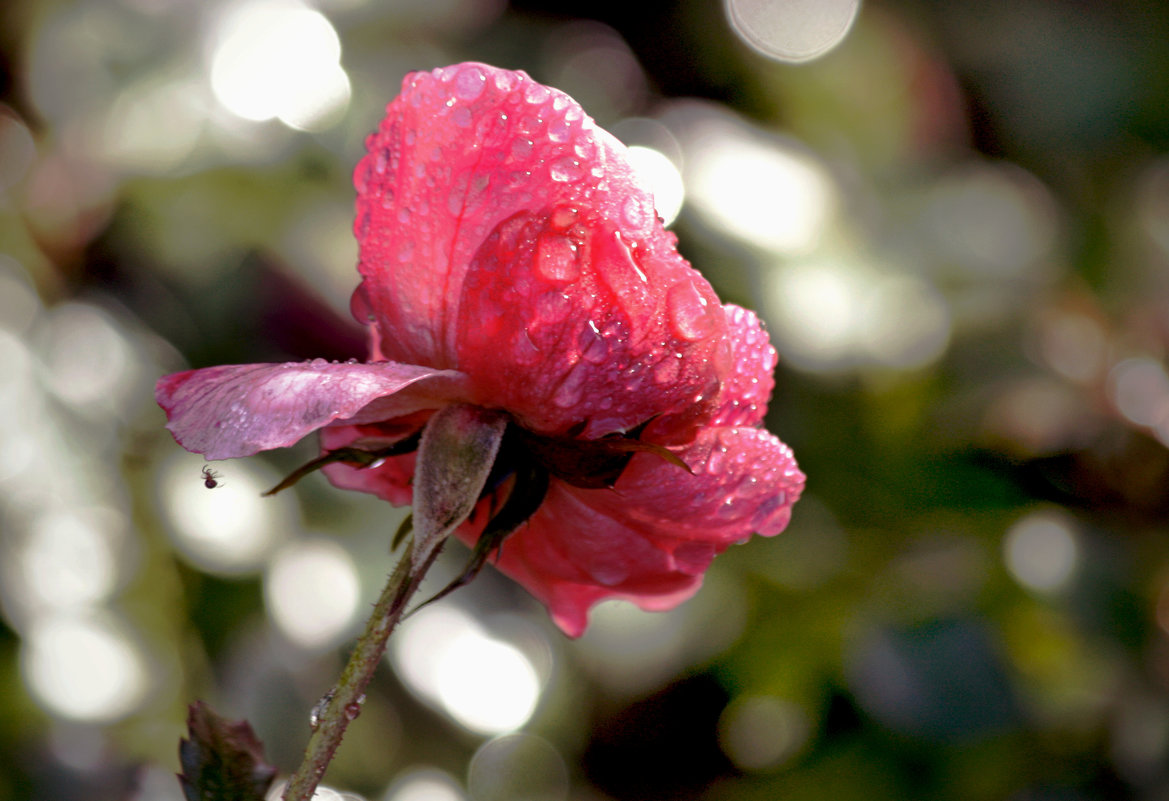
(391, 480)
(460, 150)
(238, 410)
(745, 481)
(569, 324)
(570, 555)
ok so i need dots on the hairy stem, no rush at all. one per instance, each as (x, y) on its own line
(343, 703)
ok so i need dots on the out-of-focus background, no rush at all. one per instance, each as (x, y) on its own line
(954, 217)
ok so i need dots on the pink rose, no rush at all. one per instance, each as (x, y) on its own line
(511, 260)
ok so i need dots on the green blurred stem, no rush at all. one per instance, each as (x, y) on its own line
(344, 702)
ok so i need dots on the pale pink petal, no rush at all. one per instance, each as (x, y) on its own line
(460, 150)
(570, 324)
(238, 410)
(745, 482)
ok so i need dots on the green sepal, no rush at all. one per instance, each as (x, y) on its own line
(354, 457)
(527, 493)
(404, 530)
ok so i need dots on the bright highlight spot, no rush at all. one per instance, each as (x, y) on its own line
(1139, 388)
(68, 559)
(277, 58)
(83, 667)
(792, 30)
(905, 323)
(762, 732)
(227, 530)
(446, 658)
(312, 592)
(817, 307)
(1041, 551)
(664, 179)
(425, 784)
(770, 195)
(518, 766)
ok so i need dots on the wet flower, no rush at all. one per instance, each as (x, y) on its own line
(513, 265)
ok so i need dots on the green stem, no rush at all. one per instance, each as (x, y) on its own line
(343, 703)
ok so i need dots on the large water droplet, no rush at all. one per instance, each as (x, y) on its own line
(564, 169)
(552, 307)
(559, 130)
(668, 369)
(536, 93)
(469, 83)
(691, 317)
(633, 213)
(556, 258)
(593, 346)
(462, 117)
(521, 148)
(569, 392)
(562, 217)
(406, 250)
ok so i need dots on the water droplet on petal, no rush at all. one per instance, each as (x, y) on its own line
(633, 213)
(556, 258)
(569, 392)
(564, 169)
(593, 346)
(552, 307)
(462, 117)
(559, 130)
(404, 215)
(521, 148)
(469, 83)
(536, 93)
(406, 250)
(668, 369)
(691, 317)
(563, 217)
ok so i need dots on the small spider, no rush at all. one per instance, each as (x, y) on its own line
(210, 478)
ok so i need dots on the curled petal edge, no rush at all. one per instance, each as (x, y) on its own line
(239, 410)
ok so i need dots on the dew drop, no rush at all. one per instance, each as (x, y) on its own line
(404, 215)
(716, 463)
(633, 213)
(462, 117)
(406, 250)
(564, 169)
(691, 317)
(563, 217)
(536, 93)
(556, 258)
(318, 710)
(668, 369)
(593, 347)
(523, 349)
(559, 130)
(569, 392)
(584, 149)
(469, 83)
(521, 148)
(552, 307)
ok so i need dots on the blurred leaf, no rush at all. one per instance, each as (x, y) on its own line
(223, 760)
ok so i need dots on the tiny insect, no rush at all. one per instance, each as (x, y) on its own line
(210, 478)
